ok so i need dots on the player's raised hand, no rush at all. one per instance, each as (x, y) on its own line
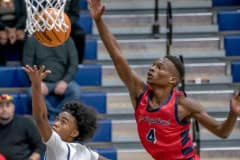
(235, 103)
(36, 75)
(96, 9)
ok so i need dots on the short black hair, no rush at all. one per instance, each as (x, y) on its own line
(86, 118)
(178, 64)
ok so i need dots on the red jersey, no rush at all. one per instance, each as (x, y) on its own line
(161, 132)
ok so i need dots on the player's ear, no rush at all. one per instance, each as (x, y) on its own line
(74, 133)
(173, 80)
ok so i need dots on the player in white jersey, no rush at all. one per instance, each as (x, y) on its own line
(75, 123)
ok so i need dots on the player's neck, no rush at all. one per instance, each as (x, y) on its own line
(160, 94)
(69, 140)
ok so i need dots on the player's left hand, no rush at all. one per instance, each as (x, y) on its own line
(235, 103)
(36, 75)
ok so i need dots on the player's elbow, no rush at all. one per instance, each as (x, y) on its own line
(223, 135)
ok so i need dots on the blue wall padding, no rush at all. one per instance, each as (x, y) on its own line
(95, 99)
(83, 4)
(6, 76)
(104, 131)
(22, 105)
(13, 77)
(232, 45)
(90, 74)
(85, 21)
(229, 20)
(90, 49)
(87, 75)
(110, 153)
(236, 71)
(218, 3)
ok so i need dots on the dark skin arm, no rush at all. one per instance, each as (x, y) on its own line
(39, 109)
(134, 84)
(192, 109)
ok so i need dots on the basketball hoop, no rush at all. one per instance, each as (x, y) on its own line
(45, 15)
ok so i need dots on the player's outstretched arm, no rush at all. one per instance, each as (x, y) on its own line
(128, 76)
(223, 129)
(39, 109)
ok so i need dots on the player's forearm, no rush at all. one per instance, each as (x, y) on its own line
(227, 126)
(108, 39)
(39, 109)
(114, 51)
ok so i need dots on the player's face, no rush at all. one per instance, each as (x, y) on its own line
(159, 73)
(6, 112)
(66, 126)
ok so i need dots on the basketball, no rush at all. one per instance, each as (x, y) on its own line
(56, 36)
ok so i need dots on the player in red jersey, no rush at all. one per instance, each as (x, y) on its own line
(161, 131)
(162, 113)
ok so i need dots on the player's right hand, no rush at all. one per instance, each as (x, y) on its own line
(96, 9)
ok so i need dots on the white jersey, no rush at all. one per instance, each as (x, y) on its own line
(57, 149)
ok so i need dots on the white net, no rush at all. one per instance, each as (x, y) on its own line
(45, 15)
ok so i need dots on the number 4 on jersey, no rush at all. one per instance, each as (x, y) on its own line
(151, 136)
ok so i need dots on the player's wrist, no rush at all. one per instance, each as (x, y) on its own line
(233, 114)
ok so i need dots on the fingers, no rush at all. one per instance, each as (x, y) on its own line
(45, 73)
(103, 10)
(237, 93)
(48, 71)
(41, 70)
(89, 3)
(94, 3)
(27, 68)
(35, 68)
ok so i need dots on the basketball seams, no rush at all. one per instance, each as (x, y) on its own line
(60, 39)
(41, 37)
